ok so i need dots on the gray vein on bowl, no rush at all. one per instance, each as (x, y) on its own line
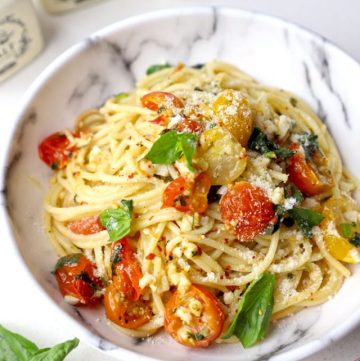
(322, 63)
(29, 119)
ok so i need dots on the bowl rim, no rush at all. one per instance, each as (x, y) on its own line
(294, 354)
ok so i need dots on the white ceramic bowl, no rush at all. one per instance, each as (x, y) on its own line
(273, 51)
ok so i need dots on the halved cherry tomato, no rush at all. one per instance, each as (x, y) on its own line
(303, 175)
(55, 150)
(189, 125)
(205, 319)
(185, 195)
(124, 312)
(86, 226)
(163, 103)
(337, 245)
(246, 210)
(75, 276)
(126, 269)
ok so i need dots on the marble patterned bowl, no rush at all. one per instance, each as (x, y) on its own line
(274, 52)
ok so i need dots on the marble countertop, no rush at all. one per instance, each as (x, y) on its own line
(23, 308)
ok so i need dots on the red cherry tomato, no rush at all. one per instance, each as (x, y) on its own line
(86, 226)
(185, 195)
(189, 125)
(126, 269)
(303, 175)
(55, 150)
(163, 103)
(124, 312)
(203, 327)
(246, 210)
(75, 277)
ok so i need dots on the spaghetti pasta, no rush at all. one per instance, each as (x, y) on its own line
(174, 244)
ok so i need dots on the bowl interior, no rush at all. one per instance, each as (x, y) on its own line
(274, 52)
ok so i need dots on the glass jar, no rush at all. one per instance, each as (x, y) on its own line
(20, 36)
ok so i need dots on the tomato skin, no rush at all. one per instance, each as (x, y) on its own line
(185, 195)
(163, 103)
(127, 269)
(78, 280)
(303, 175)
(86, 226)
(211, 318)
(246, 210)
(125, 313)
(55, 150)
(189, 125)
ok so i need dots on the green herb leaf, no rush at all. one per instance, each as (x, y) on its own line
(309, 142)
(291, 191)
(156, 67)
(118, 221)
(255, 308)
(171, 146)
(306, 219)
(121, 96)
(57, 352)
(67, 260)
(293, 102)
(116, 257)
(356, 240)
(346, 229)
(197, 336)
(262, 144)
(14, 347)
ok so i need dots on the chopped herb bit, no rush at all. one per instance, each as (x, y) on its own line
(67, 260)
(116, 257)
(118, 221)
(290, 276)
(156, 67)
(255, 308)
(291, 191)
(346, 229)
(259, 142)
(121, 96)
(198, 89)
(356, 240)
(270, 155)
(54, 165)
(309, 142)
(197, 336)
(306, 219)
(171, 146)
(288, 222)
(293, 102)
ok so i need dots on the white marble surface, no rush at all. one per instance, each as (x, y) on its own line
(32, 316)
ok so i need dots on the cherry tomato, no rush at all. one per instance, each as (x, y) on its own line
(86, 226)
(127, 269)
(185, 195)
(124, 312)
(303, 175)
(75, 277)
(246, 210)
(189, 125)
(55, 150)
(206, 319)
(163, 103)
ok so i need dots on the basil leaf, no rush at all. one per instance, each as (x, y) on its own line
(355, 240)
(259, 142)
(67, 261)
(121, 96)
(156, 67)
(57, 352)
(255, 308)
(306, 219)
(117, 221)
(171, 146)
(309, 142)
(14, 347)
